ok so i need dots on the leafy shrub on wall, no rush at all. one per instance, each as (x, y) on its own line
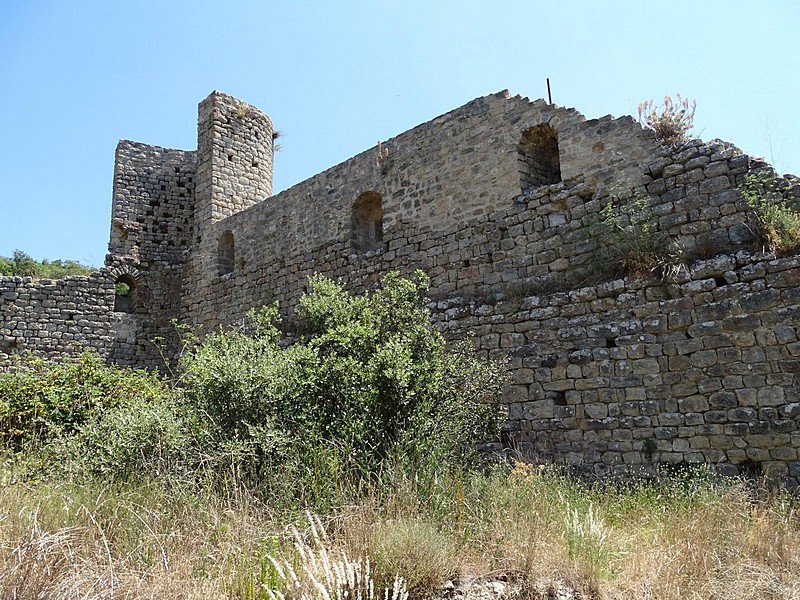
(777, 225)
(634, 243)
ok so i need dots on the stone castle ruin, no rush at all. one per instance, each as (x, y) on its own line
(499, 202)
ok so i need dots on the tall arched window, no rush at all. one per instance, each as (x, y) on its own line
(367, 222)
(226, 253)
(539, 163)
(125, 294)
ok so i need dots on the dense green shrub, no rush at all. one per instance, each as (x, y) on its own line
(41, 401)
(369, 386)
(369, 380)
(134, 438)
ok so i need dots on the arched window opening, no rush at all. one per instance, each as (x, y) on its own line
(367, 222)
(539, 163)
(125, 294)
(226, 254)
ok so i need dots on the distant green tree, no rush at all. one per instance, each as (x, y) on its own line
(6, 266)
(21, 264)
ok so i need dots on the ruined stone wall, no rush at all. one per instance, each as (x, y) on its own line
(622, 376)
(53, 319)
(56, 318)
(436, 180)
(500, 202)
(612, 377)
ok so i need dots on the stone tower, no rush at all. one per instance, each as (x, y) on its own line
(234, 159)
(235, 146)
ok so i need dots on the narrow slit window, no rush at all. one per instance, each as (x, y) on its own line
(226, 253)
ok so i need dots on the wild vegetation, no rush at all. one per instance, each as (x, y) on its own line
(22, 265)
(672, 121)
(341, 466)
(776, 224)
(636, 244)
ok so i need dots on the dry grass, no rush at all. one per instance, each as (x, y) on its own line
(317, 569)
(682, 540)
(730, 549)
(650, 543)
(68, 542)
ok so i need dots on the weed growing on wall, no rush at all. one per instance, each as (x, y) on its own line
(776, 224)
(637, 245)
(382, 158)
(671, 122)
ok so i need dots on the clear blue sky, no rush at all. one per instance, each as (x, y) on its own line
(336, 76)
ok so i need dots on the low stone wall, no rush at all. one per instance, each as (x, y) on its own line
(54, 318)
(619, 377)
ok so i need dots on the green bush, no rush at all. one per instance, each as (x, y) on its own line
(368, 387)
(41, 401)
(369, 380)
(135, 438)
(777, 226)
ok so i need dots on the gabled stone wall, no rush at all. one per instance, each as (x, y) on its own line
(459, 171)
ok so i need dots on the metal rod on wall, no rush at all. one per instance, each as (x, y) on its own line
(549, 97)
